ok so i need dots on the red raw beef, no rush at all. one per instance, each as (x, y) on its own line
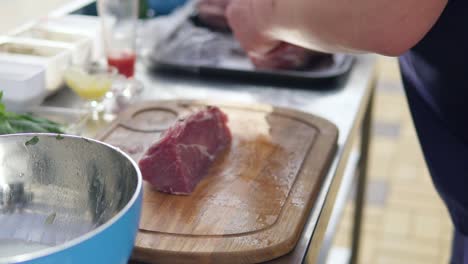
(184, 153)
(289, 57)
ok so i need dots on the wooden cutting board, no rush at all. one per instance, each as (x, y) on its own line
(254, 202)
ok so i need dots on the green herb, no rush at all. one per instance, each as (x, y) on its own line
(32, 141)
(59, 137)
(50, 219)
(11, 122)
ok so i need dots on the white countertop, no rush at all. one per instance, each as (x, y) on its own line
(17, 13)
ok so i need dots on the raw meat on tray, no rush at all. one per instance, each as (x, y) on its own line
(184, 153)
(289, 57)
(285, 57)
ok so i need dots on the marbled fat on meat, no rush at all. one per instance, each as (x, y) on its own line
(182, 156)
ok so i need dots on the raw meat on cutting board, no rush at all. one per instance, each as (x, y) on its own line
(185, 151)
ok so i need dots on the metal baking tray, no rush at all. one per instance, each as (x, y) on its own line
(194, 48)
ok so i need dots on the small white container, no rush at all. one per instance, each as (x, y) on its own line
(23, 85)
(89, 26)
(55, 60)
(79, 45)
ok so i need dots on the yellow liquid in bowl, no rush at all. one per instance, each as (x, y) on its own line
(88, 86)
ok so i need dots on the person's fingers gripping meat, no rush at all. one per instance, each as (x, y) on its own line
(249, 30)
(212, 13)
(264, 50)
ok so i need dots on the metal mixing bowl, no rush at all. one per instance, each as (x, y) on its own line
(66, 199)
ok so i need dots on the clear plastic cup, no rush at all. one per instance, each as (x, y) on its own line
(119, 21)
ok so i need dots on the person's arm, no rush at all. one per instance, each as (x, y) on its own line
(388, 27)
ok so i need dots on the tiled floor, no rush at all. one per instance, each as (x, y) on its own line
(405, 220)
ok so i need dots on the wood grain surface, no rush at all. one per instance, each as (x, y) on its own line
(252, 205)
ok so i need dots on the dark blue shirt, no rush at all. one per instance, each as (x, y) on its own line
(435, 76)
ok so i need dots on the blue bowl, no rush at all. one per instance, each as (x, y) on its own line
(164, 7)
(66, 199)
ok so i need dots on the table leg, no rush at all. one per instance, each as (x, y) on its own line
(361, 179)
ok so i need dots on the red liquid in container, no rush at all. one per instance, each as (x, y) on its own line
(124, 62)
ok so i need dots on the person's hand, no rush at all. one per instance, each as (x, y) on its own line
(249, 21)
(215, 13)
(212, 13)
(250, 28)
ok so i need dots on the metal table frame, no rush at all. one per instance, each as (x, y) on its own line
(362, 178)
(355, 173)
(351, 168)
